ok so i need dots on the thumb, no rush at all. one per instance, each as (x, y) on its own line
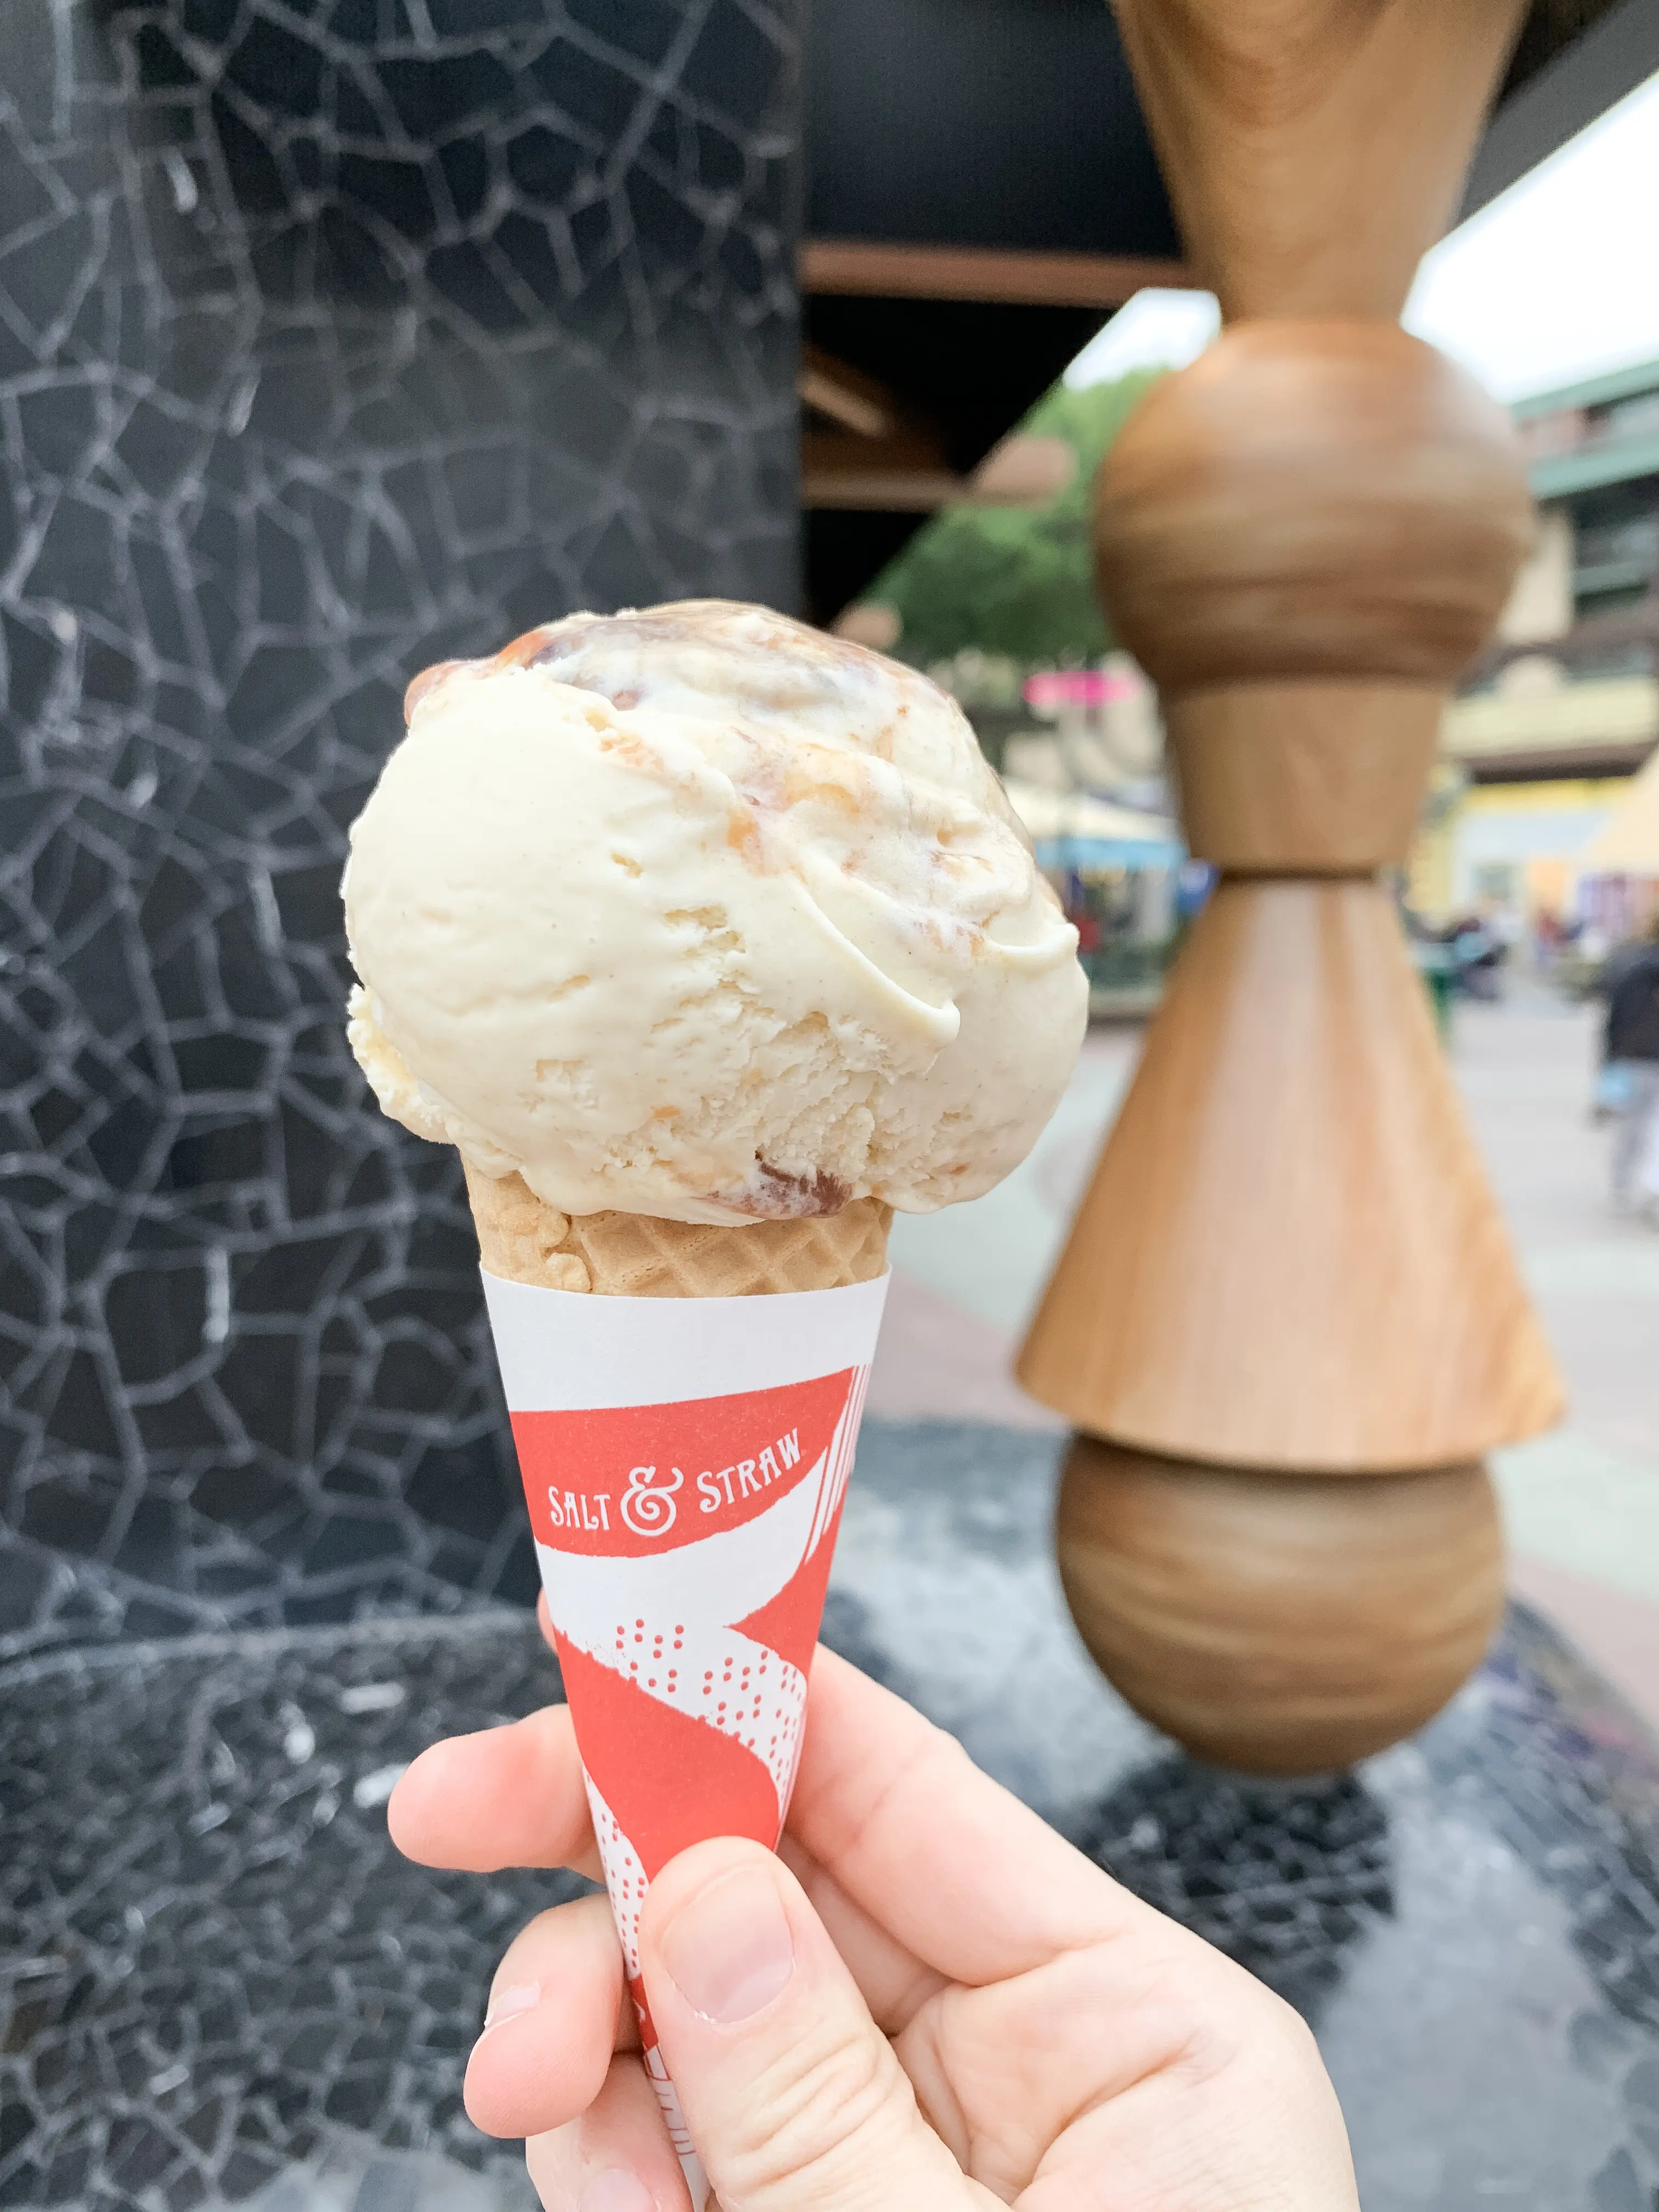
(794, 2097)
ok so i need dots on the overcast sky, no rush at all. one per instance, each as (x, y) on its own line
(1555, 280)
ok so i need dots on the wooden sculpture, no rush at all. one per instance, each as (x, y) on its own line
(1288, 1321)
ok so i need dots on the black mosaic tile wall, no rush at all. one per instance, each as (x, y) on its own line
(333, 339)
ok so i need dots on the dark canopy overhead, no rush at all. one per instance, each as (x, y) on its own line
(1009, 122)
(983, 194)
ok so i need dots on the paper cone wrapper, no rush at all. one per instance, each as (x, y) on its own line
(684, 1460)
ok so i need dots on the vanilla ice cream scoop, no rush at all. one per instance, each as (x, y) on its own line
(699, 913)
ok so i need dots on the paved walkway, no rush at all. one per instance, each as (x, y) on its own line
(1582, 1503)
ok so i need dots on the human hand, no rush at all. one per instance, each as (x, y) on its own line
(932, 2003)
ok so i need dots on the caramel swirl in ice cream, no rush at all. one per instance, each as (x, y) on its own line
(699, 913)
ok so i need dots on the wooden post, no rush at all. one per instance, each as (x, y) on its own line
(1288, 1321)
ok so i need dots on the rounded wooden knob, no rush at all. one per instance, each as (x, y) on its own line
(1310, 500)
(1279, 1624)
(1307, 777)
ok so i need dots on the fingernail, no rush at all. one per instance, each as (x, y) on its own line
(616, 2192)
(730, 1949)
(507, 2004)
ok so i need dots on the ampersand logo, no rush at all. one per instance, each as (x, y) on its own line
(648, 1506)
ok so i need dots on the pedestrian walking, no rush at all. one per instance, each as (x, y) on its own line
(1630, 1073)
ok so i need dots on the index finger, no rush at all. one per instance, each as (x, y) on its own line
(510, 1796)
(942, 1860)
(950, 1862)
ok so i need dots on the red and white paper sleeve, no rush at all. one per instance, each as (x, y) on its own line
(685, 1462)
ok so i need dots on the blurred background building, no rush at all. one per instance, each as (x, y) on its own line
(1545, 742)
(1536, 836)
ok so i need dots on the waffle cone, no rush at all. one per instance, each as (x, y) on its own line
(636, 1256)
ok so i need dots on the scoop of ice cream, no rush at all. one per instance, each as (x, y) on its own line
(699, 913)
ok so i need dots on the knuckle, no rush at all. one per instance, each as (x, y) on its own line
(1298, 2041)
(826, 2101)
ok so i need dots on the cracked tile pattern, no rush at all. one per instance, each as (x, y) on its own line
(219, 1971)
(336, 336)
(220, 1986)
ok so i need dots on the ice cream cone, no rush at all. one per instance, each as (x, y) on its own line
(685, 1598)
(693, 910)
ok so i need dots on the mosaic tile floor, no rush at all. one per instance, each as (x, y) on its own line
(222, 1987)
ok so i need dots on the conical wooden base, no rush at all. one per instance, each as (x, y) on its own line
(1289, 1257)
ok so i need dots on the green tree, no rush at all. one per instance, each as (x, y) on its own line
(1019, 580)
